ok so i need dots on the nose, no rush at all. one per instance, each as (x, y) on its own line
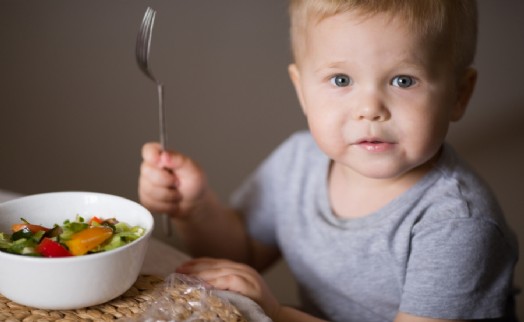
(371, 107)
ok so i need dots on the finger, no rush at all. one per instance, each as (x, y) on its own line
(154, 193)
(208, 268)
(205, 263)
(155, 197)
(222, 273)
(242, 284)
(151, 152)
(157, 176)
(183, 169)
(233, 279)
(174, 160)
(160, 206)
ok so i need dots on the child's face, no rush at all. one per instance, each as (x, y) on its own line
(377, 99)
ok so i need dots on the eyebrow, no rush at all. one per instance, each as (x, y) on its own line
(416, 64)
(331, 65)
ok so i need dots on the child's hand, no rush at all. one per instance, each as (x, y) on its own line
(227, 275)
(169, 182)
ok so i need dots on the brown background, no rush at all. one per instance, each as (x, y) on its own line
(75, 109)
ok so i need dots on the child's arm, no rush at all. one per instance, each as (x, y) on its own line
(228, 275)
(404, 317)
(172, 183)
(217, 231)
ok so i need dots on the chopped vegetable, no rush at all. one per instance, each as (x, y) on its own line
(32, 228)
(76, 237)
(95, 219)
(70, 228)
(23, 233)
(51, 248)
(124, 234)
(87, 239)
(54, 232)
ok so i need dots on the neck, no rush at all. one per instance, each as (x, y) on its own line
(353, 195)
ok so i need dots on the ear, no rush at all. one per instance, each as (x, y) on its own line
(465, 89)
(294, 74)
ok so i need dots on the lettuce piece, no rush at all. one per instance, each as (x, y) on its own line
(71, 227)
(22, 246)
(124, 234)
(5, 241)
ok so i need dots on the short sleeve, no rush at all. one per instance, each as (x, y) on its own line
(252, 200)
(458, 268)
(259, 196)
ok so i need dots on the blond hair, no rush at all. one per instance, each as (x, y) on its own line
(451, 23)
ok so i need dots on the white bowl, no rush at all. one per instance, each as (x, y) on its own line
(72, 282)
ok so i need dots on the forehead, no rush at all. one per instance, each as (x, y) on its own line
(352, 36)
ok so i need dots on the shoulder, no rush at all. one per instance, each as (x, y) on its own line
(296, 152)
(459, 199)
(457, 191)
(289, 162)
(461, 251)
(298, 142)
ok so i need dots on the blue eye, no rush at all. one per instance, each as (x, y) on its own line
(403, 81)
(341, 80)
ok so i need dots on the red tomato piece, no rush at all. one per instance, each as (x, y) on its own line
(95, 219)
(51, 248)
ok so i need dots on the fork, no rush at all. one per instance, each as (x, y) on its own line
(143, 48)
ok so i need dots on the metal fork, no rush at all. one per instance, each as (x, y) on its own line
(143, 48)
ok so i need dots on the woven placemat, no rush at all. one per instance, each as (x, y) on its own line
(132, 303)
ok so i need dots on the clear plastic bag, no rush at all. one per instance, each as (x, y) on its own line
(181, 298)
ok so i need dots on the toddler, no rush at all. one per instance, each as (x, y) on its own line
(375, 214)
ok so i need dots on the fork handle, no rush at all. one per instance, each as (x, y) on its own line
(166, 221)
(162, 116)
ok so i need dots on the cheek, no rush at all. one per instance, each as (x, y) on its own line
(319, 117)
(329, 135)
(426, 132)
(328, 130)
(321, 126)
(324, 109)
(326, 114)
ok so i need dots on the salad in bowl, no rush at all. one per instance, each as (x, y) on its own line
(71, 238)
(72, 249)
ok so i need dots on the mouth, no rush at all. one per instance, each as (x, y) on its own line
(371, 141)
(374, 144)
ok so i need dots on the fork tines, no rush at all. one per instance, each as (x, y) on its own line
(143, 42)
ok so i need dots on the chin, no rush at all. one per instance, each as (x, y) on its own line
(383, 172)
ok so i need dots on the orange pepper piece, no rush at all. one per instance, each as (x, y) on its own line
(87, 239)
(31, 227)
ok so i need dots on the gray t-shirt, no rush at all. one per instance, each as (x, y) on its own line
(442, 249)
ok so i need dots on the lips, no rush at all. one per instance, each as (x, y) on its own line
(374, 145)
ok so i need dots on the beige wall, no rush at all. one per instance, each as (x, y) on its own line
(75, 109)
